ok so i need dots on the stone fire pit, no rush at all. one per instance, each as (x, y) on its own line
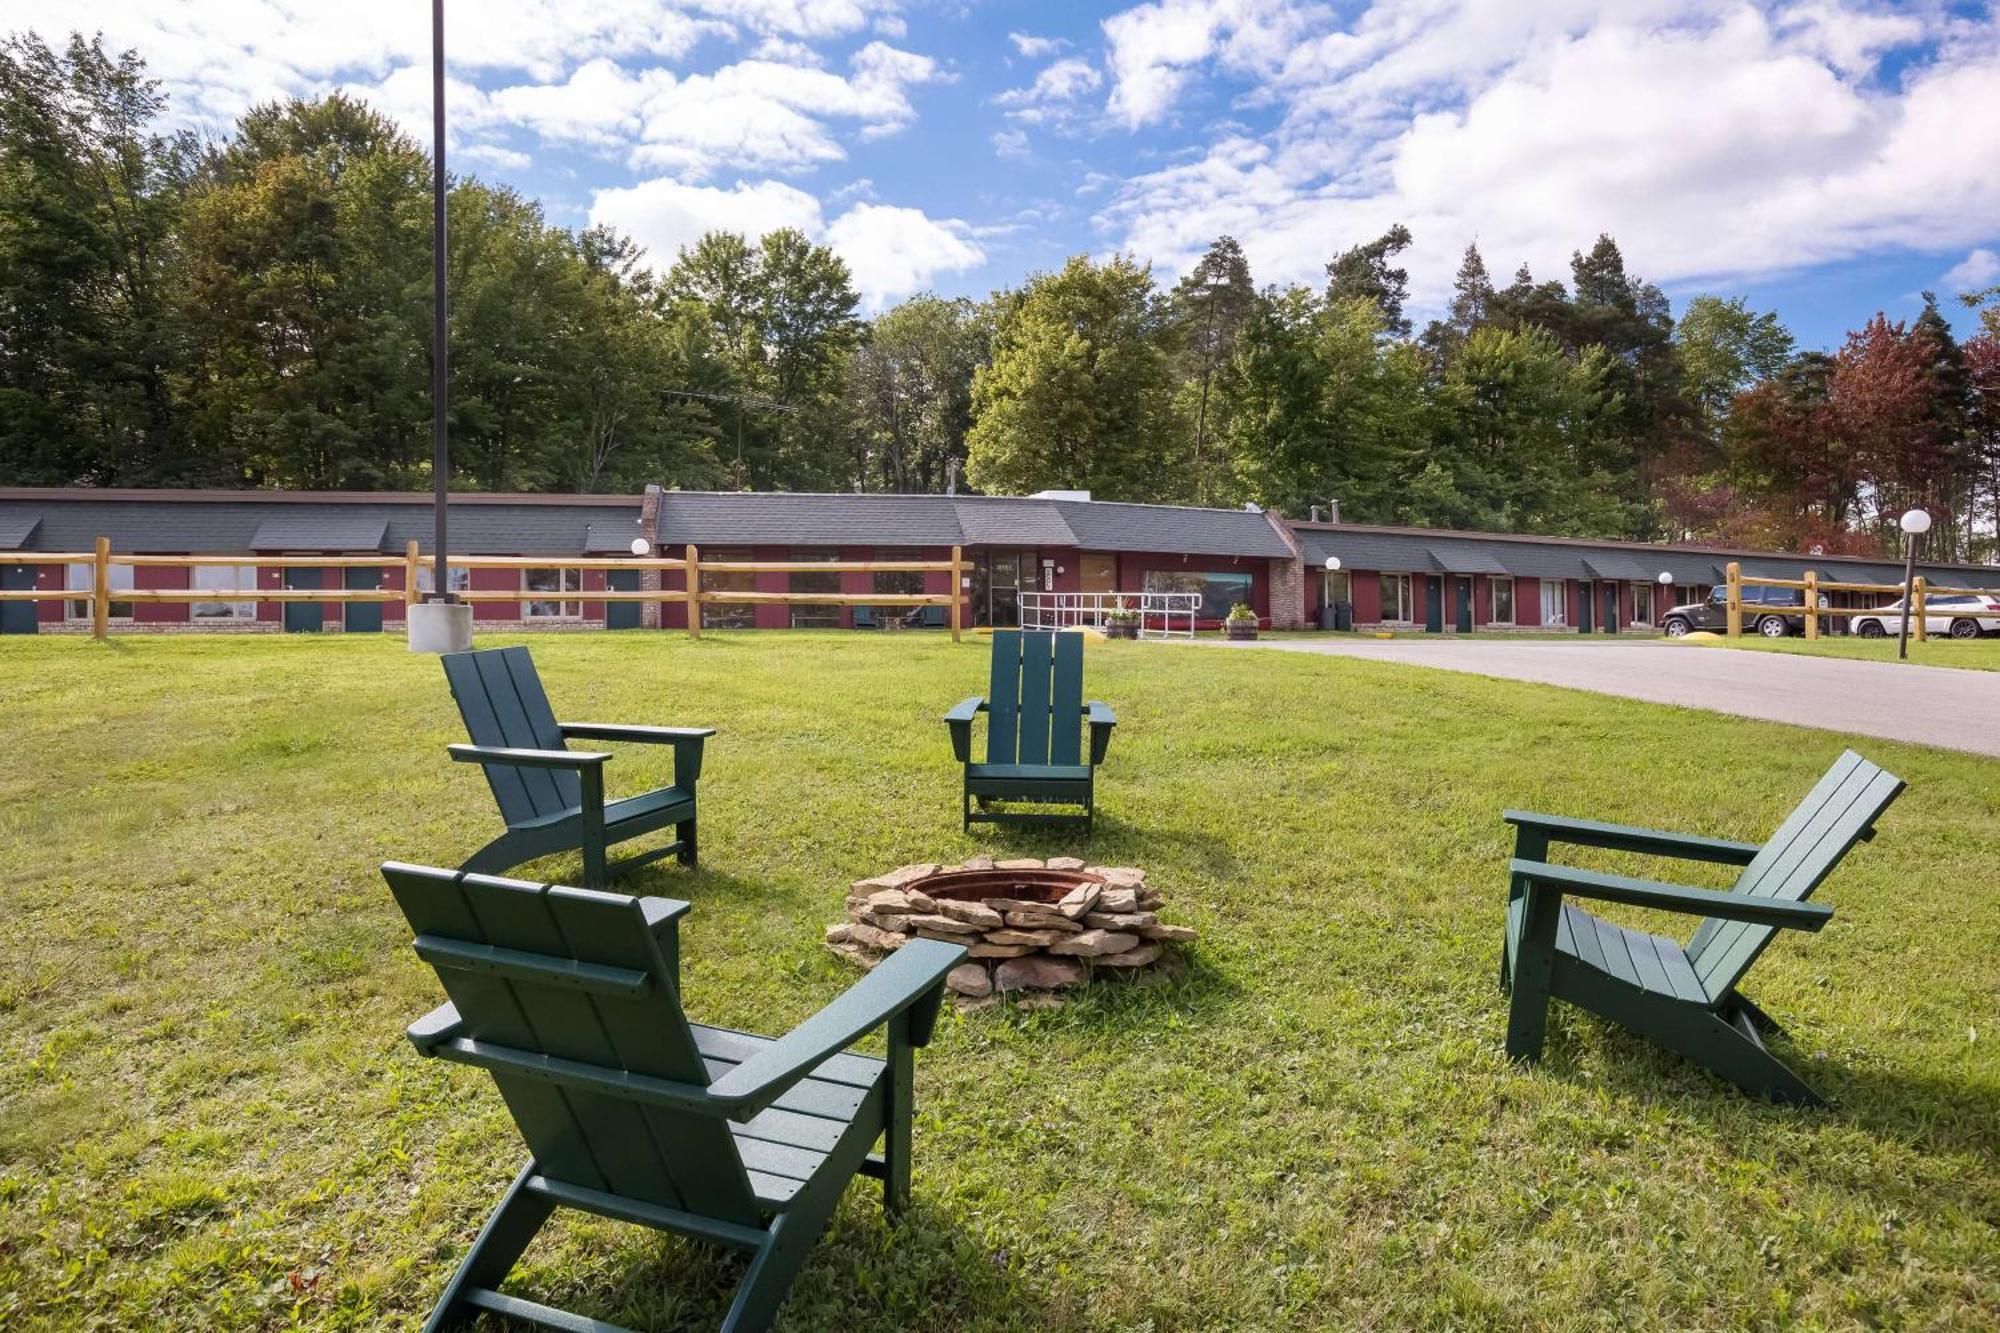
(1027, 925)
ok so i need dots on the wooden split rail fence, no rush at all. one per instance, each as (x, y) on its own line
(1814, 588)
(101, 595)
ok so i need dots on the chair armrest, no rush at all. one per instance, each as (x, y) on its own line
(687, 743)
(1102, 720)
(500, 754)
(906, 978)
(1572, 882)
(435, 1028)
(1624, 838)
(959, 719)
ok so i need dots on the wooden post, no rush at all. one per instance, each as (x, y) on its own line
(694, 591)
(1735, 604)
(412, 562)
(1916, 609)
(100, 591)
(1812, 604)
(957, 592)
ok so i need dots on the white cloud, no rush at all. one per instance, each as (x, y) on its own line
(1032, 47)
(892, 251)
(1010, 143)
(1712, 138)
(1976, 272)
(1052, 97)
(495, 155)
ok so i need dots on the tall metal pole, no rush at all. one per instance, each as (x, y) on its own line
(1909, 585)
(440, 316)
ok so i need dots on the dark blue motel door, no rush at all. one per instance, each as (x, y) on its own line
(622, 615)
(1610, 608)
(17, 617)
(1464, 605)
(363, 617)
(303, 617)
(1586, 598)
(1434, 604)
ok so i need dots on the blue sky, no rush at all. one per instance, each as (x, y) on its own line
(1825, 158)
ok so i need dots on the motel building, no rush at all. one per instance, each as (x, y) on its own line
(1057, 557)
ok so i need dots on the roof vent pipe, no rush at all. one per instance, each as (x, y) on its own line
(1315, 513)
(1333, 511)
(951, 477)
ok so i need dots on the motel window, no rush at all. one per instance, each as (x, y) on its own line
(1555, 605)
(1396, 604)
(1503, 601)
(551, 594)
(727, 615)
(460, 576)
(898, 583)
(80, 577)
(1642, 603)
(814, 615)
(223, 579)
(1218, 591)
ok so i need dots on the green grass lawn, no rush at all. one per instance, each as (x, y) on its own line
(1938, 650)
(209, 1118)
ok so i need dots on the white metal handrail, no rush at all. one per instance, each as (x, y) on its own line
(1162, 615)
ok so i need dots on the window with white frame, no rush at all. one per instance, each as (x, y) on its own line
(460, 577)
(1555, 602)
(82, 576)
(1642, 603)
(1396, 603)
(551, 594)
(222, 579)
(1503, 601)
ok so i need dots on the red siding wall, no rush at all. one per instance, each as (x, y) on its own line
(161, 613)
(1527, 602)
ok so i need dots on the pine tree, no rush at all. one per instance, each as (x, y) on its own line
(1209, 307)
(1364, 272)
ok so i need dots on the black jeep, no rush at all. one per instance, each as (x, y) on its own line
(1771, 612)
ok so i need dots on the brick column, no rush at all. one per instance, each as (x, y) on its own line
(649, 579)
(1288, 578)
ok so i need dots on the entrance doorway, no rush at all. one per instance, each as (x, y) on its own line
(1007, 574)
(17, 617)
(1610, 608)
(1099, 573)
(304, 617)
(621, 615)
(1434, 604)
(1464, 605)
(363, 617)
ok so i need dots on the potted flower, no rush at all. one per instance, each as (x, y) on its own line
(1121, 621)
(1241, 623)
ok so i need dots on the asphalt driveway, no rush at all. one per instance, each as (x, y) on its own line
(1943, 706)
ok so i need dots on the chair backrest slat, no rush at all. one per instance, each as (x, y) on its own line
(1839, 812)
(500, 696)
(543, 936)
(1035, 699)
(1003, 698)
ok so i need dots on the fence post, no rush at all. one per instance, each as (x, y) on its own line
(100, 591)
(1812, 604)
(1734, 573)
(957, 592)
(1916, 609)
(412, 561)
(694, 591)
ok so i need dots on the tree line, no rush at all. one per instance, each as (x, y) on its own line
(255, 311)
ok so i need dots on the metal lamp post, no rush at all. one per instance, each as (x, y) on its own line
(1325, 589)
(1914, 523)
(440, 623)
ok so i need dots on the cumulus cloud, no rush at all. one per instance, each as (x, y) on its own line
(892, 251)
(1714, 140)
(1032, 47)
(1053, 96)
(1976, 272)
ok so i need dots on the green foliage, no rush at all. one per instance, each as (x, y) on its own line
(911, 392)
(1078, 391)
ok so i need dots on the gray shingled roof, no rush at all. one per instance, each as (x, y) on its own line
(165, 524)
(736, 519)
(315, 530)
(17, 530)
(612, 538)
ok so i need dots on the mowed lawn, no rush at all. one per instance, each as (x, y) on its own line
(1938, 650)
(209, 1118)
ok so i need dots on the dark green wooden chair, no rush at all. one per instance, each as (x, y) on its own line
(1034, 722)
(552, 797)
(1685, 998)
(571, 999)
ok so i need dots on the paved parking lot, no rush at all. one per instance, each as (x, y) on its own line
(1944, 706)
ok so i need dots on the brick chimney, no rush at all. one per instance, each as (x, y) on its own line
(649, 579)
(1288, 578)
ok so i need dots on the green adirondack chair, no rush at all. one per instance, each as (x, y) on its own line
(571, 999)
(1035, 714)
(552, 797)
(1685, 998)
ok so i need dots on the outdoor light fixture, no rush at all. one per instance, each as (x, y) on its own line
(1914, 523)
(640, 546)
(1332, 562)
(1666, 580)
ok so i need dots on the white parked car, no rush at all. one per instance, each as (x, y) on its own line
(1961, 615)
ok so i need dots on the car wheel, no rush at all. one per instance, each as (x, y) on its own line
(1871, 629)
(1676, 627)
(1772, 627)
(1964, 629)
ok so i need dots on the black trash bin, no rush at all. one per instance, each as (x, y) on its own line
(1337, 615)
